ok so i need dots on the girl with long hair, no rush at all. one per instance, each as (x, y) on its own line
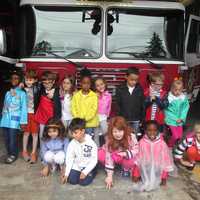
(121, 148)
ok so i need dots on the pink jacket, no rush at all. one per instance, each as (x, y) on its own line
(131, 152)
(154, 153)
(104, 103)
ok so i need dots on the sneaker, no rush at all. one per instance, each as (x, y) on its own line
(53, 168)
(25, 156)
(10, 159)
(33, 158)
(125, 174)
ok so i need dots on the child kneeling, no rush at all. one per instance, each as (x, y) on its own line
(53, 147)
(191, 147)
(153, 161)
(121, 148)
(81, 157)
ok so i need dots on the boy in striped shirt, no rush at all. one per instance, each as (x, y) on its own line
(156, 99)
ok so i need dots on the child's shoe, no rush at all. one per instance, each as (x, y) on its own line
(10, 159)
(26, 156)
(33, 158)
(53, 168)
(163, 182)
(125, 173)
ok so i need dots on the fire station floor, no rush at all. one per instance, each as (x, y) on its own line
(22, 181)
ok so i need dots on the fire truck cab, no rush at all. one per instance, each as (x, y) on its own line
(107, 37)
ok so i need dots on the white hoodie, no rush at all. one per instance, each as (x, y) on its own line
(81, 156)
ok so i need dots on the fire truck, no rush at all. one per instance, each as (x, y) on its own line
(107, 37)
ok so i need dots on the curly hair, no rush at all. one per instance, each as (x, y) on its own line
(151, 122)
(121, 124)
(55, 124)
(85, 72)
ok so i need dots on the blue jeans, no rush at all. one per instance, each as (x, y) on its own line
(136, 127)
(74, 178)
(10, 135)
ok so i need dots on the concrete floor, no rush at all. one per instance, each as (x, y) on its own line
(22, 181)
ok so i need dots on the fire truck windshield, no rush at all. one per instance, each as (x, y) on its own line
(71, 32)
(144, 33)
(77, 32)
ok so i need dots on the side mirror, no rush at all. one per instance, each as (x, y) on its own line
(2, 42)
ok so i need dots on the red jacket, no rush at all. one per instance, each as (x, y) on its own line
(161, 103)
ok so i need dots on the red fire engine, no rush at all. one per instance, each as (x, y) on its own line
(107, 37)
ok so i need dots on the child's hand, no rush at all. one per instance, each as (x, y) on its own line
(50, 93)
(109, 182)
(63, 179)
(82, 176)
(179, 120)
(22, 126)
(135, 179)
(153, 98)
(186, 163)
(21, 85)
(122, 154)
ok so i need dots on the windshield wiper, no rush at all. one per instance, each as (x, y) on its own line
(157, 66)
(58, 56)
(90, 52)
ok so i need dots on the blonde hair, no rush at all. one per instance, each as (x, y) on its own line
(197, 127)
(177, 84)
(31, 73)
(156, 76)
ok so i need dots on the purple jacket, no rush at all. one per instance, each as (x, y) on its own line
(104, 103)
(54, 145)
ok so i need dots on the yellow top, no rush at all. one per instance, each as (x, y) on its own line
(85, 107)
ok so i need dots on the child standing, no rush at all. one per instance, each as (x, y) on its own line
(121, 148)
(191, 146)
(153, 160)
(33, 92)
(81, 157)
(85, 103)
(156, 98)
(66, 92)
(49, 104)
(54, 146)
(176, 112)
(130, 100)
(104, 105)
(14, 115)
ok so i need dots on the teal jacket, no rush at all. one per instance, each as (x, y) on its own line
(177, 109)
(15, 109)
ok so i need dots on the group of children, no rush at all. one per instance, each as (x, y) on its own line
(134, 139)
